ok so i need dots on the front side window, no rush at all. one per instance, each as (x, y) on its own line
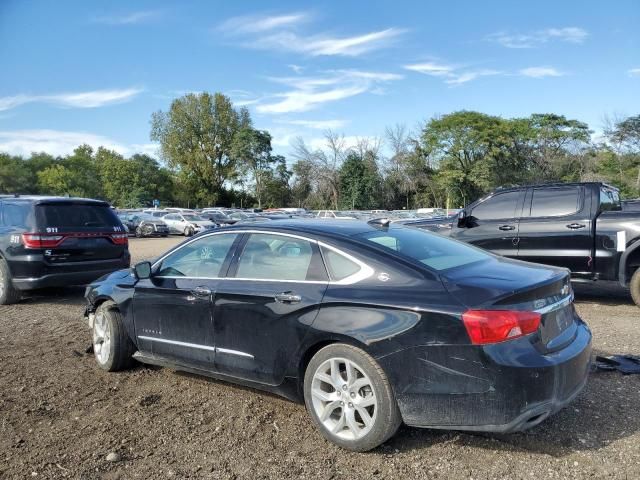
(276, 257)
(555, 202)
(202, 258)
(501, 205)
(432, 250)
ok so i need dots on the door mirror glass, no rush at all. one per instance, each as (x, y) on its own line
(462, 218)
(142, 270)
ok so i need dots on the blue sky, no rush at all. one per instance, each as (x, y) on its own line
(94, 71)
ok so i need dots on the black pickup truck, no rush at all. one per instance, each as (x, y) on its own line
(580, 226)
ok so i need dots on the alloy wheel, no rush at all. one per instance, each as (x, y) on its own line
(101, 338)
(2, 280)
(343, 399)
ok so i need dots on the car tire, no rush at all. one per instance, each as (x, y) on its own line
(112, 347)
(355, 410)
(8, 293)
(634, 287)
(188, 232)
(139, 232)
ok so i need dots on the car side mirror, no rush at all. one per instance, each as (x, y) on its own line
(462, 218)
(142, 270)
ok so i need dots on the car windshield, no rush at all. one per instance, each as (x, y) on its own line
(430, 249)
(193, 218)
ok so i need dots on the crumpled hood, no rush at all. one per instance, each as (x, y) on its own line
(483, 283)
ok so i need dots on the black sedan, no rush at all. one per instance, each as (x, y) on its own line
(372, 324)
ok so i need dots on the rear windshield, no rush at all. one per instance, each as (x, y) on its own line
(71, 215)
(434, 251)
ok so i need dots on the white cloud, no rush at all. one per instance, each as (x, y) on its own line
(262, 23)
(574, 35)
(540, 72)
(324, 45)
(310, 92)
(132, 18)
(92, 99)
(277, 33)
(634, 72)
(56, 142)
(296, 68)
(452, 74)
(317, 124)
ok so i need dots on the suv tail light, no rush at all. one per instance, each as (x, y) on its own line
(120, 238)
(38, 240)
(494, 326)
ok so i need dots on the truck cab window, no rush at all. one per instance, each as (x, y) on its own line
(501, 205)
(609, 199)
(555, 202)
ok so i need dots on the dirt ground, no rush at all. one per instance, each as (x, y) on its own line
(61, 416)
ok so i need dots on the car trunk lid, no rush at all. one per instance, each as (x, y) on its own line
(501, 284)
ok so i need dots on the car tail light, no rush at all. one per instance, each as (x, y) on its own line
(120, 238)
(493, 326)
(39, 240)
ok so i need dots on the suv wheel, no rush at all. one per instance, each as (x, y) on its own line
(634, 286)
(188, 231)
(349, 398)
(8, 293)
(112, 346)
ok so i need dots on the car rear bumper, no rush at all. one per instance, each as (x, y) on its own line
(38, 274)
(505, 387)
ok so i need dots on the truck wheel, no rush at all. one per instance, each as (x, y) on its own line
(8, 293)
(349, 398)
(634, 286)
(112, 346)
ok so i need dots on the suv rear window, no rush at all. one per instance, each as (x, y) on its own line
(70, 215)
(430, 249)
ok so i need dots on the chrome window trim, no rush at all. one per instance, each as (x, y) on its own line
(365, 270)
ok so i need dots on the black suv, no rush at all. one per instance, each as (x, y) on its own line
(55, 241)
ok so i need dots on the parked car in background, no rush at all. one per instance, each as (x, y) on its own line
(156, 212)
(187, 224)
(218, 217)
(334, 214)
(55, 242)
(371, 324)
(579, 226)
(631, 204)
(143, 224)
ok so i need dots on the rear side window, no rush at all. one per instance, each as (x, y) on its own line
(70, 215)
(276, 257)
(339, 266)
(501, 205)
(17, 215)
(609, 199)
(555, 202)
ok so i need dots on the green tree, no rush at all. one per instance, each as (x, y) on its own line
(15, 175)
(197, 136)
(252, 149)
(359, 182)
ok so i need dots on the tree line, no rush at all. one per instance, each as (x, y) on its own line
(213, 155)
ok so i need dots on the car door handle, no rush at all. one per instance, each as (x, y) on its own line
(201, 292)
(575, 226)
(287, 297)
(507, 227)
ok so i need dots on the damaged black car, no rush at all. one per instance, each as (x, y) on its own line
(370, 324)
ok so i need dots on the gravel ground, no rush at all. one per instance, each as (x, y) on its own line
(63, 417)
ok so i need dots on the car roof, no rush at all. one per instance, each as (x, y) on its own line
(328, 228)
(52, 199)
